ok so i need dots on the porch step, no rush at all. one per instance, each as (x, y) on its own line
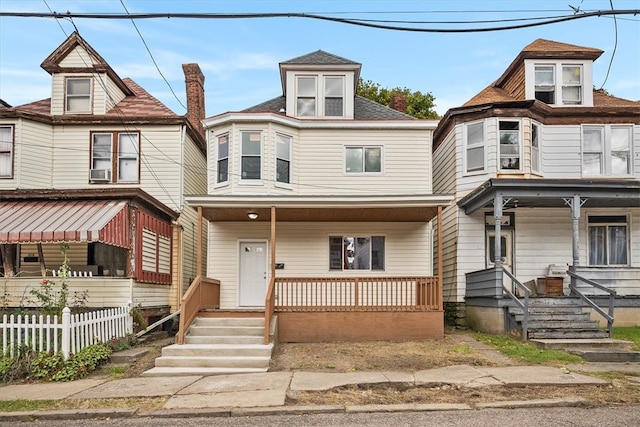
(567, 334)
(594, 350)
(217, 346)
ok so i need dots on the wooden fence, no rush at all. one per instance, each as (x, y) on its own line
(68, 335)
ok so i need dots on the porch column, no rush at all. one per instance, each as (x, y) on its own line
(273, 242)
(575, 220)
(440, 262)
(497, 214)
(199, 244)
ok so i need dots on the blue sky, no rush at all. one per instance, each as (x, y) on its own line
(240, 57)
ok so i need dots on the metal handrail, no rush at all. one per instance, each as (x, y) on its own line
(611, 292)
(524, 306)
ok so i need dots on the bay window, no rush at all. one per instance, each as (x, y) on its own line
(283, 159)
(251, 165)
(474, 147)
(223, 158)
(509, 145)
(535, 148)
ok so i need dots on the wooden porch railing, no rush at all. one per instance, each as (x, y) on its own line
(269, 307)
(202, 293)
(357, 294)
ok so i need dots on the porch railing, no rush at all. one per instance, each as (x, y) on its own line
(523, 305)
(269, 309)
(203, 293)
(357, 294)
(612, 294)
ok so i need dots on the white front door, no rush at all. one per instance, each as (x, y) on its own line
(253, 274)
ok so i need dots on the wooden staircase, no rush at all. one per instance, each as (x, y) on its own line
(217, 346)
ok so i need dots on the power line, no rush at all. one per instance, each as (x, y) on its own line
(357, 22)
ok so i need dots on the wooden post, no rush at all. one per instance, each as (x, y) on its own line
(440, 262)
(43, 268)
(199, 243)
(273, 242)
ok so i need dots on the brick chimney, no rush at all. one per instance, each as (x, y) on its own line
(399, 102)
(194, 81)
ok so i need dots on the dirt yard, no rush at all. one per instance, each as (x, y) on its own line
(457, 348)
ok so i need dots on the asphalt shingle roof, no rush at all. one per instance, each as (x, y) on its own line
(320, 57)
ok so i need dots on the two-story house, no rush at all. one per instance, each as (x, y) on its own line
(546, 175)
(103, 167)
(319, 209)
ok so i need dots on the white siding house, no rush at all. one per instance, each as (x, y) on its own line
(101, 142)
(550, 165)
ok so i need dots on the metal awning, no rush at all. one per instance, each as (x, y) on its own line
(105, 221)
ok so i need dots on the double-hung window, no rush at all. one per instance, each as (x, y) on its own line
(606, 150)
(251, 166)
(535, 148)
(78, 95)
(509, 145)
(115, 157)
(474, 147)
(568, 84)
(283, 158)
(334, 96)
(356, 252)
(6, 151)
(223, 158)
(363, 159)
(306, 100)
(608, 240)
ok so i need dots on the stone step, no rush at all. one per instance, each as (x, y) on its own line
(226, 339)
(538, 317)
(218, 350)
(226, 330)
(175, 371)
(610, 343)
(548, 310)
(213, 362)
(605, 355)
(229, 321)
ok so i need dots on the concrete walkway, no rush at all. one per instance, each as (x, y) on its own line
(262, 393)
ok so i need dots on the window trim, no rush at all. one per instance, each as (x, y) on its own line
(364, 149)
(252, 181)
(520, 146)
(320, 95)
(114, 161)
(628, 235)
(67, 95)
(586, 78)
(11, 151)
(606, 169)
(483, 144)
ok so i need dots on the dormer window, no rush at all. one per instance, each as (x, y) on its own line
(78, 95)
(320, 96)
(559, 84)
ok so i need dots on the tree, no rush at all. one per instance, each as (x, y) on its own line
(419, 104)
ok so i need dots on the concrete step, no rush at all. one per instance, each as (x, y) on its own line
(212, 362)
(228, 339)
(218, 350)
(226, 330)
(610, 343)
(229, 321)
(568, 310)
(552, 324)
(605, 355)
(174, 372)
(551, 317)
(566, 334)
(555, 302)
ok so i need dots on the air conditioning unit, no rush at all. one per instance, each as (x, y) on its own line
(100, 175)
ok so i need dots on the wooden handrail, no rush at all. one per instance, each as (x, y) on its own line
(202, 293)
(269, 308)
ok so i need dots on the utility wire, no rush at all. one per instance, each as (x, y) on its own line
(615, 47)
(356, 22)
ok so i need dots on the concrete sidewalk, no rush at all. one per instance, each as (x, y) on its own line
(227, 395)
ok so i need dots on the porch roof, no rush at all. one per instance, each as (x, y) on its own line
(41, 221)
(552, 193)
(344, 208)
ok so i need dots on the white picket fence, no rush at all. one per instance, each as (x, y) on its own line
(69, 335)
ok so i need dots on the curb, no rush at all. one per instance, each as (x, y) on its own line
(87, 414)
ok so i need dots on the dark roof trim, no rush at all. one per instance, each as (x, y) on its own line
(623, 192)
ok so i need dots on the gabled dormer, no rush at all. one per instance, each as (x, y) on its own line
(558, 74)
(319, 85)
(81, 80)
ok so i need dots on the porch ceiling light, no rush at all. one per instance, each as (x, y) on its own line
(252, 215)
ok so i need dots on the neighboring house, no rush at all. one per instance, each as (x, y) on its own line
(551, 167)
(102, 166)
(319, 205)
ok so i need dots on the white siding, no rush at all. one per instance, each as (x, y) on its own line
(303, 247)
(78, 58)
(561, 152)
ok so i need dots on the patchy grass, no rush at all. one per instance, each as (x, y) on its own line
(145, 403)
(629, 333)
(526, 353)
